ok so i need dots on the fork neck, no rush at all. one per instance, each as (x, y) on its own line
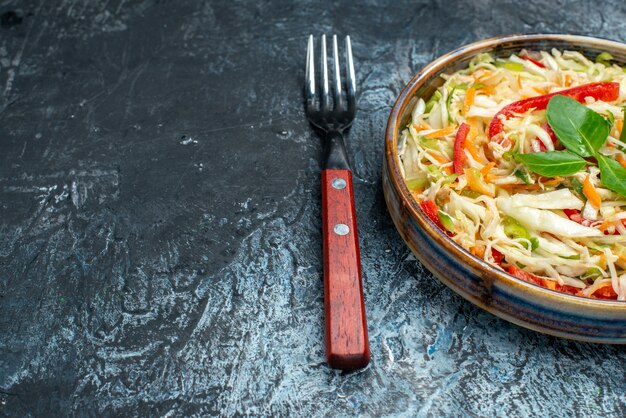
(336, 157)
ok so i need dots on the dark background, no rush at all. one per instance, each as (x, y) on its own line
(160, 245)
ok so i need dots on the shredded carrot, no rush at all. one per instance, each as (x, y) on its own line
(486, 172)
(621, 159)
(568, 80)
(440, 157)
(469, 142)
(604, 225)
(510, 187)
(470, 95)
(549, 284)
(484, 75)
(441, 132)
(488, 90)
(473, 133)
(469, 145)
(540, 91)
(553, 182)
(422, 126)
(478, 251)
(475, 183)
(519, 82)
(616, 130)
(591, 193)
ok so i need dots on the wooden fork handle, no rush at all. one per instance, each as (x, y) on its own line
(347, 346)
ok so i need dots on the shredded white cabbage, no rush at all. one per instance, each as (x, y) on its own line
(499, 209)
(544, 220)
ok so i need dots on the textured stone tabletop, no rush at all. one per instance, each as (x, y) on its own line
(160, 244)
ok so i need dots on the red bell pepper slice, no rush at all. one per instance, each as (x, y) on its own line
(497, 256)
(605, 91)
(576, 216)
(432, 211)
(566, 289)
(573, 215)
(542, 147)
(459, 148)
(546, 127)
(605, 292)
(531, 278)
(537, 63)
(524, 275)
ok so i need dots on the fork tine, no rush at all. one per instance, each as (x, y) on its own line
(324, 64)
(351, 93)
(337, 84)
(310, 74)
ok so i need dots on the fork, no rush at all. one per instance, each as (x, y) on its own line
(347, 346)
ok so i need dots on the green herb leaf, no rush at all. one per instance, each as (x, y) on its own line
(522, 175)
(580, 129)
(612, 174)
(610, 118)
(577, 188)
(552, 163)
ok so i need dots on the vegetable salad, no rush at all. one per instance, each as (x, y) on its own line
(522, 162)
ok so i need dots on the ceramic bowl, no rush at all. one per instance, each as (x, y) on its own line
(479, 282)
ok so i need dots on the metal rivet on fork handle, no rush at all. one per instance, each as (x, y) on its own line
(338, 184)
(341, 229)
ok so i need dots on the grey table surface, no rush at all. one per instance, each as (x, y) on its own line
(160, 244)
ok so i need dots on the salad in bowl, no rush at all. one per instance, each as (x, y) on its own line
(522, 162)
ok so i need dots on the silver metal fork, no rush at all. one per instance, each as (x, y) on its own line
(347, 345)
